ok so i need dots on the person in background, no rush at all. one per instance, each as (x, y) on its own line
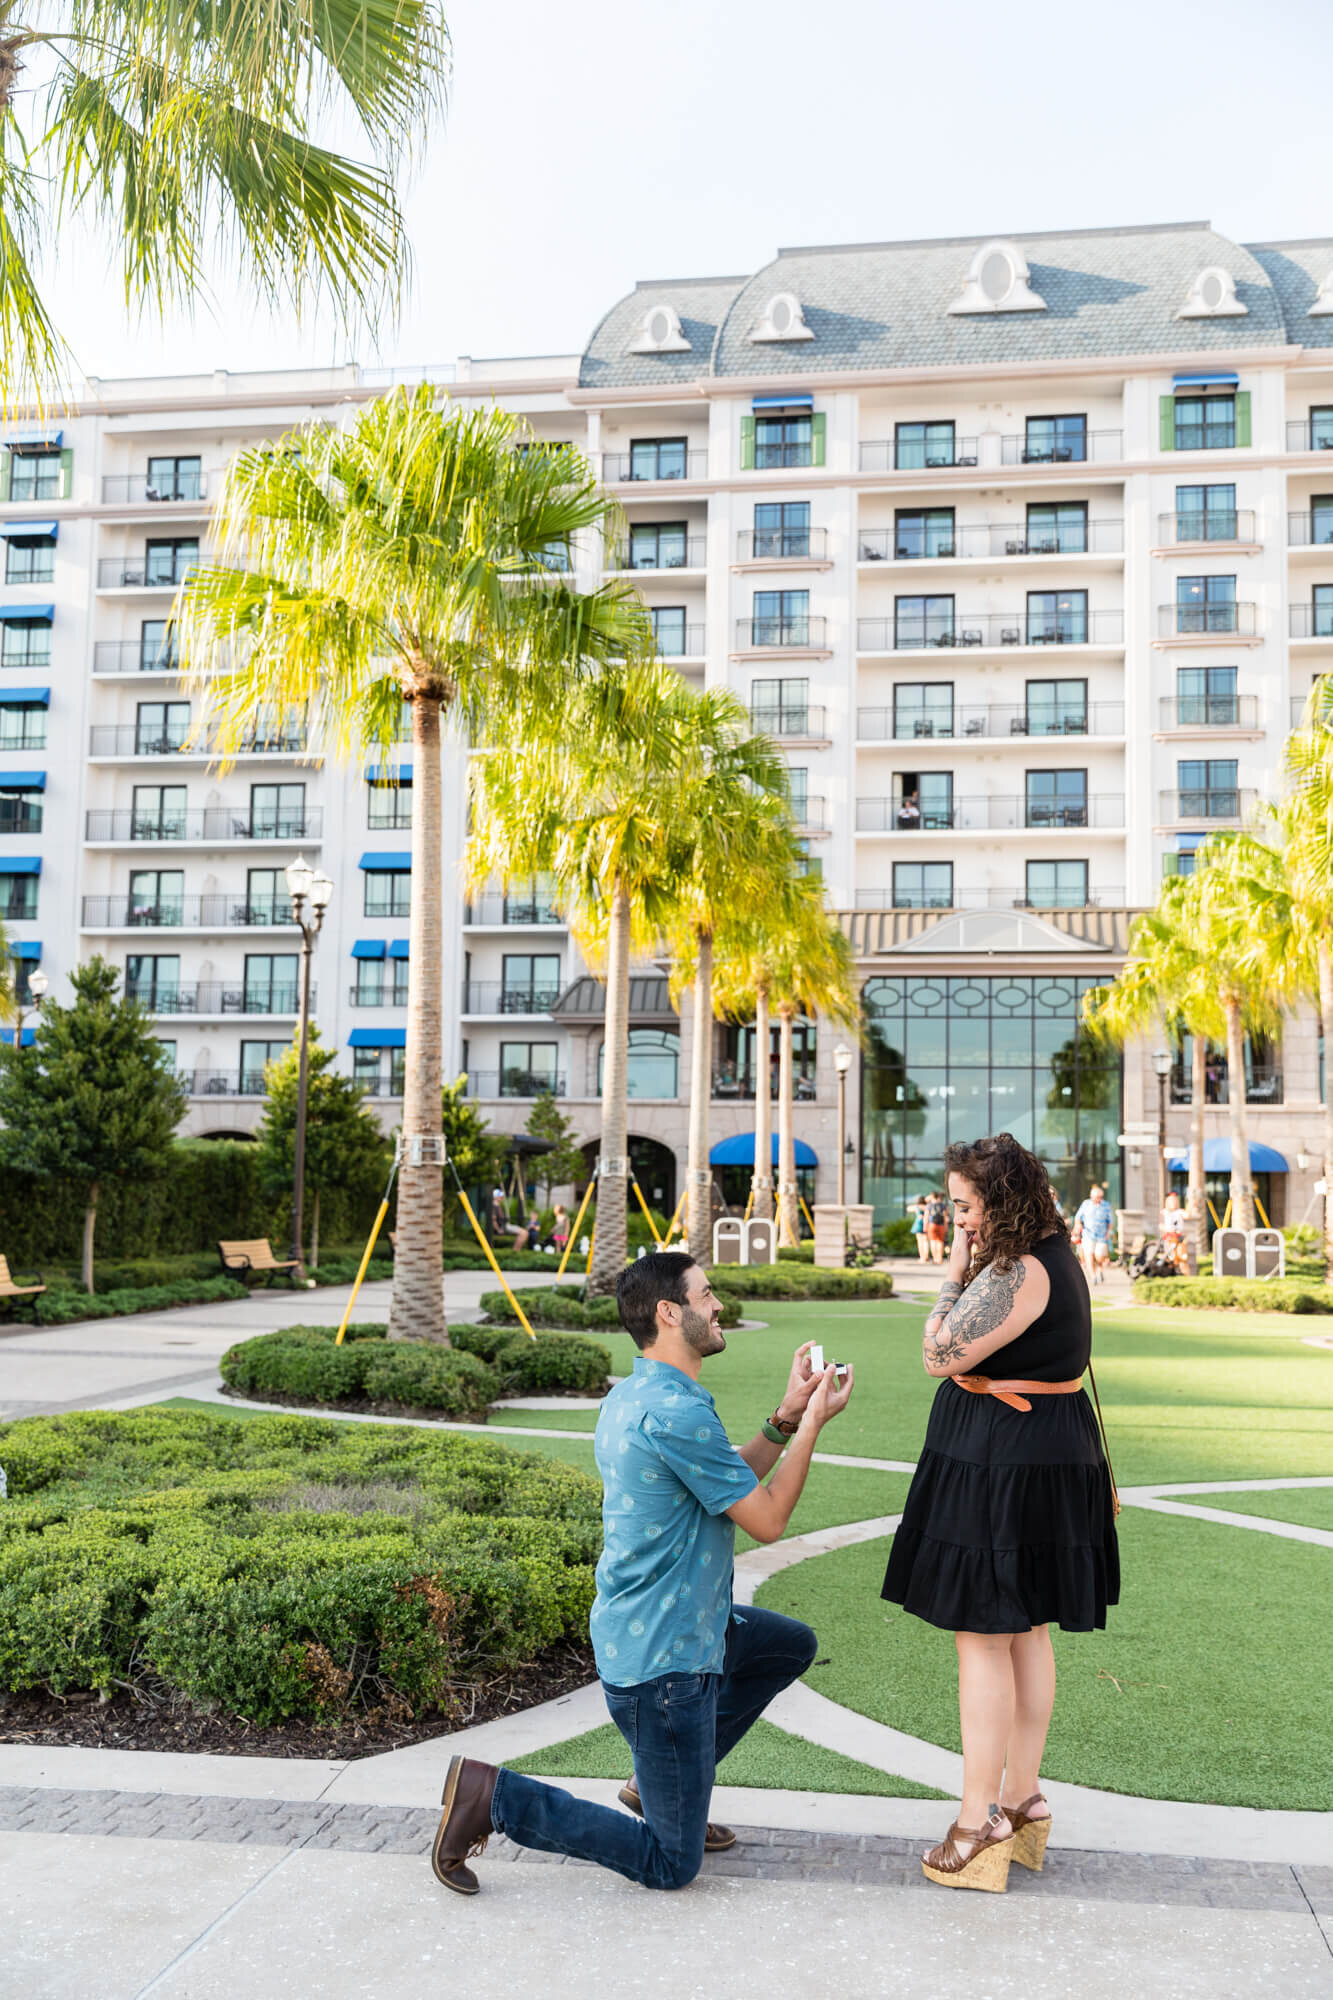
(560, 1226)
(1171, 1229)
(1092, 1228)
(502, 1226)
(937, 1225)
(919, 1229)
(909, 814)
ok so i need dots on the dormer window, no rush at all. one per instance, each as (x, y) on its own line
(1212, 296)
(1323, 304)
(660, 332)
(782, 319)
(997, 281)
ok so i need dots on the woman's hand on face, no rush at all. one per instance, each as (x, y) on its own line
(960, 1255)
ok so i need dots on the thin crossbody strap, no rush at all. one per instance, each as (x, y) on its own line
(1101, 1425)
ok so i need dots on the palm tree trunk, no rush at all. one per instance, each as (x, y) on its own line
(698, 1175)
(416, 1311)
(1242, 1189)
(1325, 950)
(313, 1260)
(610, 1232)
(789, 1213)
(89, 1232)
(1197, 1191)
(763, 1109)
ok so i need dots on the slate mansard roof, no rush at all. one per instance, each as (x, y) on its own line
(883, 306)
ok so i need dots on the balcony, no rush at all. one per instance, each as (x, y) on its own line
(680, 642)
(1209, 711)
(1310, 621)
(138, 573)
(1310, 531)
(993, 813)
(757, 635)
(988, 720)
(493, 908)
(134, 656)
(732, 1085)
(810, 814)
(492, 996)
(381, 1086)
(219, 910)
(782, 545)
(1263, 1085)
(1214, 524)
(223, 1082)
(887, 455)
(988, 898)
(689, 553)
(212, 998)
(28, 736)
(620, 468)
(493, 1083)
(1310, 434)
(1202, 621)
(1323, 717)
(133, 739)
(986, 540)
(392, 817)
(17, 816)
(993, 629)
(128, 489)
(806, 720)
(204, 823)
(1221, 805)
(1093, 448)
(385, 995)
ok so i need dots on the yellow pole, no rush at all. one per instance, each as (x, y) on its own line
(805, 1212)
(592, 1245)
(749, 1201)
(569, 1244)
(671, 1226)
(1226, 1213)
(1213, 1212)
(490, 1258)
(375, 1230)
(647, 1212)
(1259, 1205)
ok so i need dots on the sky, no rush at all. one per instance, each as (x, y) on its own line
(588, 145)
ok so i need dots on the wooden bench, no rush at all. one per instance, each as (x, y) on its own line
(11, 1291)
(242, 1260)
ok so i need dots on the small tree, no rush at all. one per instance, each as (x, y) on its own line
(93, 1098)
(345, 1149)
(474, 1152)
(565, 1162)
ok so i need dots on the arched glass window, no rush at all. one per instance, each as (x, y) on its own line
(654, 1062)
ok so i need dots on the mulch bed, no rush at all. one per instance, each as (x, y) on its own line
(155, 1719)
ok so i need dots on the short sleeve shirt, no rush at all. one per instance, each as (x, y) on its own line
(669, 1474)
(1095, 1217)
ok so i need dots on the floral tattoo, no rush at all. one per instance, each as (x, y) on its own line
(962, 1317)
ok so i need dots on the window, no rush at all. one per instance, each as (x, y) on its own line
(22, 725)
(1322, 621)
(381, 1071)
(160, 726)
(36, 475)
(1263, 1074)
(1056, 708)
(173, 479)
(1057, 798)
(918, 445)
(1321, 518)
(157, 646)
(923, 708)
(669, 630)
(922, 621)
(780, 708)
(167, 1058)
(784, 440)
(782, 530)
(798, 791)
(528, 1068)
(388, 892)
(157, 896)
(1058, 530)
(1056, 885)
(1321, 428)
(1181, 862)
(657, 458)
(1057, 618)
(18, 896)
(271, 982)
(158, 812)
(277, 812)
(1205, 604)
(26, 642)
(529, 982)
(653, 1069)
(658, 545)
(1206, 697)
(809, 862)
(781, 618)
(1207, 787)
(255, 1057)
(1205, 423)
(923, 531)
(922, 801)
(1205, 513)
(154, 981)
(923, 885)
(267, 897)
(20, 809)
(30, 559)
(390, 807)
(369, 988)
(169, 561)
(1055, 440)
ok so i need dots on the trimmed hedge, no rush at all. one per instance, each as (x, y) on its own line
(482, 1365)
(285, 1566)
(1279, 1295)
(561, 1306)
(798, 1281)
(60, 1306)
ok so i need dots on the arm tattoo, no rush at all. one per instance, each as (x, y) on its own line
(950, 1292)
(985, 1305)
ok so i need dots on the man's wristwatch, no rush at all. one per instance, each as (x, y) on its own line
(776, 1431)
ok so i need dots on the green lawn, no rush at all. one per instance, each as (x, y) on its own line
(1304, 1506)
(767, 1758)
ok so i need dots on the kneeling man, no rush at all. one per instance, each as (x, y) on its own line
(684, 1671)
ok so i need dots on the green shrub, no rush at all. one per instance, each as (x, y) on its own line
(561, 1306)
(59, 1306)
(1285, 1295)
(895, 1239)
(552, 1363)
(795, 1281)
(305, 1362)
(796, 1253)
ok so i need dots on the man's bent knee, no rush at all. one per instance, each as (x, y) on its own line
(674, 1871)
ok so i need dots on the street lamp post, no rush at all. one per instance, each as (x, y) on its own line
(304, 886)
(842, 1062)
(1161, 1062)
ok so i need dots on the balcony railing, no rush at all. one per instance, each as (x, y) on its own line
(1212, 524)
(681, 642)
(223, 1082)
(990, 539)
(1199, 620)
(790, 719)
(395, 817)
(1310, 531)
(687, 553)
(1305, 434)
(514, 1083)
(988, 898)
(219, 910)
(966, 815)
(810, 814)
(1323, 716)
(116, 573)
(887, 455)
(384, 995)
(906, 634)
(133, 739)
(782, 545)
(134, 656)
(1310, 621)
(222, 823)
(210, 997)
(619, 467)
(756, 634)
(996, 718)
(1209, 711)
(120, 487)
(26, 735)
(1228, 803)
(1263, 1085)
(17, 816)
(1093, 448)
(731, 1084)
(493, 908)
(492, 996)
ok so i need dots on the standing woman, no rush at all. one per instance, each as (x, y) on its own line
(919, 1229)
(1009, 1526)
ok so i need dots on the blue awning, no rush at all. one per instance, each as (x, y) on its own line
(35, 614)
(783, 402)
(7, 1037)
(388, 774)
(368, 948)
(22, 781)
(25, 948)
(1217, 1159)
(1207, 378)
(29, 697)
(398, 948)
(397, 860)
(13, 530)
(738, 1151)
(21, 864)
(377, 1038)
(32, 440)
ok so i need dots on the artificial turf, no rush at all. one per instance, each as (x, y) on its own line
(1303, 1506)
(767, 1758)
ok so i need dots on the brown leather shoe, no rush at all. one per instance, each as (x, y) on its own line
(465, 1824)
(716, 1838)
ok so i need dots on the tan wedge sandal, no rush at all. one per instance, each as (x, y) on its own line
(1030, 1835)
(986, 1867)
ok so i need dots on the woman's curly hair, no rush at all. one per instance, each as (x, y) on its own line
(1016, 1193)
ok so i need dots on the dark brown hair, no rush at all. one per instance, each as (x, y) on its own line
(1015, 1191)
(641, 1287)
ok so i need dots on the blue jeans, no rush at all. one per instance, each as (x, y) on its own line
(679, 1728)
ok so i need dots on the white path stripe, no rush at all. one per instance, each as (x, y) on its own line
(1287, 1531)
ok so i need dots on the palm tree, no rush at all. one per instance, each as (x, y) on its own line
(403, 561)
(182, 134)
(815, 975)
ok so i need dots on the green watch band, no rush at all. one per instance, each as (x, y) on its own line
(772, 1433)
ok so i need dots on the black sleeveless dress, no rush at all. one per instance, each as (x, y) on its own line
(1009, 1521)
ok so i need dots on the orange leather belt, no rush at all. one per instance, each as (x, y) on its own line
(1016, 1394)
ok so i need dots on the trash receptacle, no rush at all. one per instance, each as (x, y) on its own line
(761, 1241)
(1268, 1253)
(728, 1240)
(1231, 1253)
